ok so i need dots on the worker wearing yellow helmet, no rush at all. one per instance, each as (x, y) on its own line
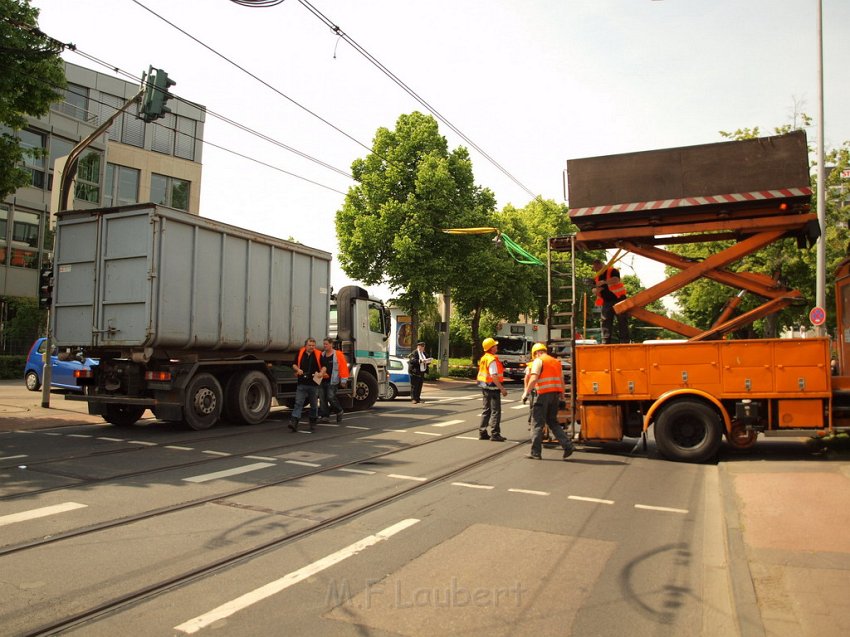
(491, 375)
(547, 378)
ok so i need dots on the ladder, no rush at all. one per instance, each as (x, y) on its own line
(561, 312)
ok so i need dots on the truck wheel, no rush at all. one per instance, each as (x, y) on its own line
(123, 415)
(248, 398)
(740, 438)
(32, 381)
(688, 431)
(202, 406)
(365, 392)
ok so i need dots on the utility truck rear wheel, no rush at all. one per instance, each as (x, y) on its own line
(248, 398)
(123, 415)
(202, 405)
(688, 431)
(365, 391)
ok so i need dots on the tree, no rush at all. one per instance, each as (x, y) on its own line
(409, 188)
(32, 77)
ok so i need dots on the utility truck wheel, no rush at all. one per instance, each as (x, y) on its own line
(688, 431)
(365, 392)
(248, 398)
(123, 415)
(202, 406)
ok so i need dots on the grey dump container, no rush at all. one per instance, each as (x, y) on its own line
(145, 277)
(725, 175)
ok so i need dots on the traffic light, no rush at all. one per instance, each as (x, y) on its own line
(45, 286)
(156, 84)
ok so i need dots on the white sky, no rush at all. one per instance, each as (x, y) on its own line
(532, 82)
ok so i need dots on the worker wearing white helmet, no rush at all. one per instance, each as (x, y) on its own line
(547, 377)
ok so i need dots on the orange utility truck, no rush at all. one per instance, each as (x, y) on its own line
(693, 392)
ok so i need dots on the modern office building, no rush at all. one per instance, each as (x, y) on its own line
(133, 162)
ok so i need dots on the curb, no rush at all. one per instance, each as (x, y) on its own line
(743, 592)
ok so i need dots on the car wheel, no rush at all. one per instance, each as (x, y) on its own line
(32, 381)
(393, 392)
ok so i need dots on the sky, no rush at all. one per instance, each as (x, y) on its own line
(533, 83)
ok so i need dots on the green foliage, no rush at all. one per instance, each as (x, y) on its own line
(31, 78)
(26, 321)
(12, 367)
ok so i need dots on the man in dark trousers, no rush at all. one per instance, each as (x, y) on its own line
(308, 369)
(417, 364)
(609, 291)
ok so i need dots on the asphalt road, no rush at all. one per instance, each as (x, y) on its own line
(397, 522)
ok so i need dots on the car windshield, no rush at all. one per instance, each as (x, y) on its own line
(511, 345)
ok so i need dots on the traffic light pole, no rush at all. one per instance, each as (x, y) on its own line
(71, 163)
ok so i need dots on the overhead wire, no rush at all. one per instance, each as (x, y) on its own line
(342, 34)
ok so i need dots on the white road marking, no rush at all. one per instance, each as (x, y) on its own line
(259, 458)
(40, 513)
(52, 433)
(666, 509)
(356, 427)
(583, 499)
(472, 486)
(427, 433)
(12, 457)
(278, 585)
(302, 464)
(142, 442)
(448, 423)
(229, 472)
(80, 436)
(397, 431)
(519, 406)
(467, 438)
(177, 448)
(326, 424)
(112, 439)
(403, 477)
(362, 471)
(529, 492)
(215, 453)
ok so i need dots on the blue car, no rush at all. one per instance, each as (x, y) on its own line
(63, 368)
(399, 377)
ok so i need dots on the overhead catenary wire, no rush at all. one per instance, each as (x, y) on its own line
(342, 34)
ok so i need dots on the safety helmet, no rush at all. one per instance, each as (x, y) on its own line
(537, 347)
(489, 343)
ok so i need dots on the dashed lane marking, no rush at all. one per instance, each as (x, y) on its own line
(259, 458)
(665, 509)
(360, 471)
(448, 423)
(327, 424)
(12, 457)
(473, 486)
(404, 477)
(529, 492)
(229, 472)
(113, 439)
(272, 588)
(144, 443)
(467, 437)
(519, 406)
(215, 453)
(356, 427)
(302, 464)
(584, 499)
(178, 448)
(79, 436)
(427, 433)
(40, 513)
(396, 431)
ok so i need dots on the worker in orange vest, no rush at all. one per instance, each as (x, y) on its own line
(547, 377)
(609, 291)
(491, 375)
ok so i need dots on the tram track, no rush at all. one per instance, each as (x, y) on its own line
(152, 590)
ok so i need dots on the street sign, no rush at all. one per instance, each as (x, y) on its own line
(817, 316)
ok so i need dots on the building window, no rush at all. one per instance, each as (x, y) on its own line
(76, 103)
(126, 128)
(170, 191)
(59, 147)
(4, 225)
(184, 144)
(24, 253)
(162, 140)
(88, 177)
(121, 186)
(33, 144)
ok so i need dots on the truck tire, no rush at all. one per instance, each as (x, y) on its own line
(248, 398)
(123, 415)
(365, 391)
(202, 405)
(688, 431)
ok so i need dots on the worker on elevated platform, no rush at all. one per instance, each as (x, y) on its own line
(609, 291)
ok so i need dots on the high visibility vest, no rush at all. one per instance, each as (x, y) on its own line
(551, 378)
(341, 365)
(301, 355)
(484, 369)
(618, 289)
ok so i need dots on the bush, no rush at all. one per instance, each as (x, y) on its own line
(462, 371)
(433, 374)
(12, 367)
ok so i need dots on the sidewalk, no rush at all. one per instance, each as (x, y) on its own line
(790, 520)
(27, 413)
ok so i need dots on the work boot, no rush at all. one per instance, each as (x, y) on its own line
(339, 415)
(324, 419)
(498, 438)
(568, 451)
(483, 436)
(293, 424)
(534, 456)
